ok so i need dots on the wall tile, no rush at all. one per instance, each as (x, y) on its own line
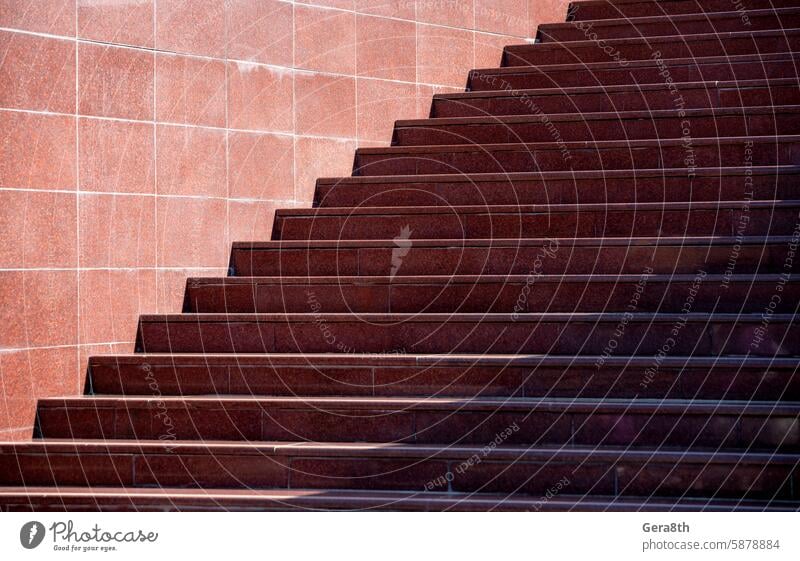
(261, 166)
(489, 49)
(386, 48)
(320, 157)
(171, 286)
(325, 105)
(37, 151)
(116, 156)
(115, 82)
(342, 4)
(444, 56)
(56, 17)
(126, 23)
(191, 26)
(111, 301)
(502, 16)
(38, 308)
(259, 97)
(261, 31)
(39, 229)
(188, 232)
(545, 11)
(250, 220)
(190, 90)
(191, 161)
(325, 40)
(116, 230)
(37, 72)
(380, 104)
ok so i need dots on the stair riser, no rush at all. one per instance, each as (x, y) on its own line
(506, 297)
(434, 336)
(707, 25)
(544, 427)
(600, 189)
(580, 11)
(622, 477)
(552, 157)
(593, 381)
(653, 100)
(542, 130)
(510, 260)
(678, 47)
(639, 223)
(689, 70)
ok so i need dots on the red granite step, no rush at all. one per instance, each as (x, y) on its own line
(604, 376)
(486, 293)
(676, 122)
(547, 421)
(111, 499)
(690, 69)
(616, 9)
(622, 51)
(688, 153)
(570, 187)
(524, 333)
(756, 218)
(401, 256)
(595, 99)
(679, 24)
(602, 472)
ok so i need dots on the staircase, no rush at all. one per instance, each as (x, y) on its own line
(572, 287)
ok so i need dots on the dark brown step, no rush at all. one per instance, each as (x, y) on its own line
(599, 472)
(616, 9)
(523, 333)
(487, 293)
(611, 186)
(688, 154)
(513, 257)
(689, 69)
(591, 127)
(595, 99)
(111, 499)
(622, 51)
(744, 425)
(759, 218)
(678, 24)
(604, 376)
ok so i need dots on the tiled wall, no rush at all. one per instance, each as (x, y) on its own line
(141, 137)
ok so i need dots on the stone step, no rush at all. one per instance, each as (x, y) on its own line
(572, 187)
(596, 99)
(753, 218)
(678, 24)
(514, 257)
(597, 472)
(592, 127)
(622, 51)
(686, 154)
(637, 72)
(616, 9)
(637, 333)
(602, 376)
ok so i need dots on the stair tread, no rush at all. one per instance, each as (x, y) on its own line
(311, 499)
(510, 177)
(484, 404)
(669, 18)
(536, 209)
(392, 449)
